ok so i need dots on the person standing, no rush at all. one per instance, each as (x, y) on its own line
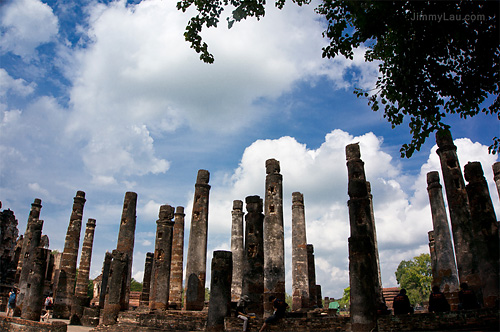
(11, 305)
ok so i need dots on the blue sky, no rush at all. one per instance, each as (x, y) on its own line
(107, 97)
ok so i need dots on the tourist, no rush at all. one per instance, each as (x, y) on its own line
(467, 298)
(49, 303)
(437, 301)
(241, 311)
(279, 312)
(401, 304)
(11, 305)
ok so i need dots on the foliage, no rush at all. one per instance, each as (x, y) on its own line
(416, 277)
(289, 300)
(436, 57)
(344, 302)
(90, 288)
(207, 294)
(135, 286)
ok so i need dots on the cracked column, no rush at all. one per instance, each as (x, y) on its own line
(146, 280)
(220, 290)
(196, 266)
(274, 239)
(458, 205)
(445, 275)
(106, 266)
(485, 230)
(33, 302)
(81, 299)
(36, 206)
(300, 278)
(116, 287)
(363, 277)
(237, 248)
(160, 274)
(253, 268)
(311, 274)
(65, 285)
(177, 269)
(496, 176)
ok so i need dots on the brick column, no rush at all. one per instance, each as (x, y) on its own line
(106, 266)
(160, 274)
(117, 276)
(237, 249)
(274, 239)
(146, 280)
(220, 290)
(311, 274)
(300, 278)
(32, 306)
(177, 268)
(194, 298)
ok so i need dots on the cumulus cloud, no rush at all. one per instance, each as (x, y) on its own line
(25, 25)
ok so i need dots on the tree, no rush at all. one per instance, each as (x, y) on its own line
(437, 57)
(345, 301)
(135, 286)
(416, 277)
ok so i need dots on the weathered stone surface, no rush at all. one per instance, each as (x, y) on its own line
(33, 301)
(311, 273)
(23, 325)
(458, 205)
(146, 280)
(117, 283)
(274, 238)
(106, 267)
(196, 266)
(253, 275)
(125, 243)
(363, 273)
(220, 290)
(65, 283)
(300, 276)
(177, 269)
(237, 249)
(8, 241)
(160, 274)
(485, 231)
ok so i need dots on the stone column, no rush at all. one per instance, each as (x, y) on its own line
(160, 285)
(378, 287)
(36, 206)
(65, 285)
(146, 280)
(32, 306)
(311, 274)
(126, 237)
(237, 249)
(117, 276)
(496, 176)
(196, 266)
(30, 256)
(220, 290)
(9, 250)
(300, 280)
(274, 239)
(106, 267)
(432, 252)
(363, 276)
(253, 269)
(445, 275)
(458, 205)
(485, 230)
(177, 269)
(319, 296)
(81, 298)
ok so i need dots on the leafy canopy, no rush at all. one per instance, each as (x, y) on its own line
(436, 57)
(416, 277)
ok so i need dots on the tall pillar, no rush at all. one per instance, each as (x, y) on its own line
(300, 278)
(30, 256)
(496, 176)
(160, 285)
(197, 249)
(311, 274)
(458, 205)
(220, 290)
(36, 206)
(253, 269)
(445, 275)
(146, 280)
(81, 298)
(177, 269)
(362, 253)
(116, 285)
(9, 250)
(485, 230)
(319, 296)
(378, 286)
(65, 285)
(237, 249)
(32, 306)
(432, 252)
(106, 267)
(126, 237)
(274, 239)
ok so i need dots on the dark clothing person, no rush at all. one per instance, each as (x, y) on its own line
(401, 304)
(467, 298)
(279, 312)
(437, 301)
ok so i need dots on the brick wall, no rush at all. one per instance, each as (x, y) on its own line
(20, 325)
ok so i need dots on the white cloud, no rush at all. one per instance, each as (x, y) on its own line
(25, 25)
(17, 86)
